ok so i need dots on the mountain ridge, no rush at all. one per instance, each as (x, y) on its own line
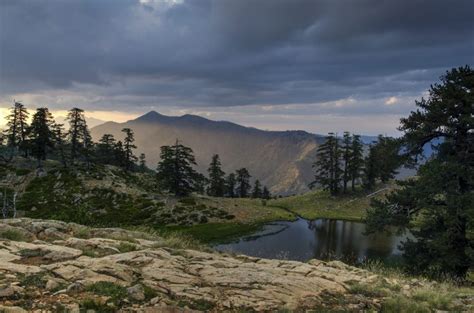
(279, 159)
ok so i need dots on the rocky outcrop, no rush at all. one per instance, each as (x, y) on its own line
(130, 271)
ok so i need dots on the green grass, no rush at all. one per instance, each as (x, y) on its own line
(248, 211)
(320, 204)
(215, 232)
(33, 280)
(126, 247)
(12, 234)
(103, 288)
(96, 306)
(423, 296)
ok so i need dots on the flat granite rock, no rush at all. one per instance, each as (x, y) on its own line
(159, 279)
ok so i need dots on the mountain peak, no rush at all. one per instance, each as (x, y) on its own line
(150, 117)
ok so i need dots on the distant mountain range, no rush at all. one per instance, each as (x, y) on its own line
(282, 160)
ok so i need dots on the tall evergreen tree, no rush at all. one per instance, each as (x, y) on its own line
(230, 184)
(87, 148)
(129, 146)
(266, 193)
(200, 183)
(78, 134)
(389, 159)
(105, 149)
(371, 171)
(346, 159)
(175, 171)
(243, 184)
(257, 190)
(382, 161)
(41, 134)
(216, 186)
(328, 169)
(119, 154)
(17, 127)
(60, 142)
(441, 198)
(356, 161)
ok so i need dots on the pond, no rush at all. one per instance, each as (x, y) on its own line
(303, 239)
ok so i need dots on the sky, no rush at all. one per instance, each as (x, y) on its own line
(316, 65)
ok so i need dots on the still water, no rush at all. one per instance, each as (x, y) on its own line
(302, 240)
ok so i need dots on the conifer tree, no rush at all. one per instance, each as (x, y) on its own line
(357, 160)
(105, 149)
(389, 157)
(175, 171)
(17, 127)
(87, 148)
(216, 178)
(243, 184)
(41, 134)
(257, 190)
(200, 183)
(328, 170)
(371, 166)
(119, 154)
(346, 159)
(230, 184)
(60, 142)
(142, 162)
(128, 146)
(441, 198)
(78, 134)
(382, 161)
(266, 193)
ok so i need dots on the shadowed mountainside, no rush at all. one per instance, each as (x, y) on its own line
(280, 159)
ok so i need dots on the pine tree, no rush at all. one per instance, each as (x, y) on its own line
(346, 159)
(87, 148)
(41, 134)
(230, 184)
(357, 160)
(128, 147)
(79, 136)
(266, 193)
(142, 162)
(216, 178)
(200, 183)
(382, 161)
(389, 157)
(257, 190)
(17, 127)
(119, 154)
(243, 184)
(371, 166)
(441, 198)
(328, 170)
(175, 171)
(60, 142)
(105, 149)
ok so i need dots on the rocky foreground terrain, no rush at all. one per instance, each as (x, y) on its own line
(64, 267)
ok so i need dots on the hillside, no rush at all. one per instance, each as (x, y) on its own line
(108, 196)
(55, 266)
(281, 160)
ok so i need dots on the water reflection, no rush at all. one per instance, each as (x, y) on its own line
(303, 240)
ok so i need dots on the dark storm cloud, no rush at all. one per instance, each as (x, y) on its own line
(231, 52)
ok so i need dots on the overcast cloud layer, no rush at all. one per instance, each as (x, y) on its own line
(319, 65)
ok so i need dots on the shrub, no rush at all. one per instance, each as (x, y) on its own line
(126, 247)
(96, 306)
(12, 234)
(103, 288)
(399, 304)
